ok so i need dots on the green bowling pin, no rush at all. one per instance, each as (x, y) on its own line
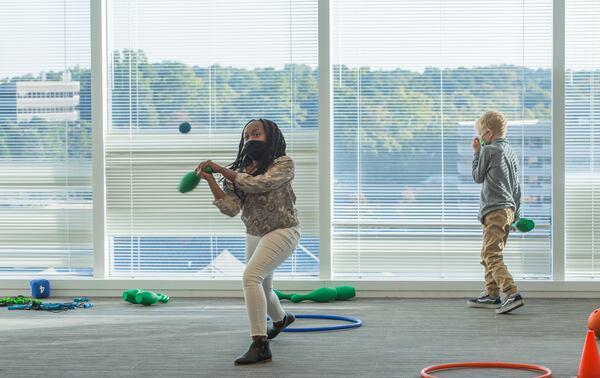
(324, 294)
(129, 295)
(190, 181)
(524, 224)
(344, 293)
(282, 295)
(148, 298)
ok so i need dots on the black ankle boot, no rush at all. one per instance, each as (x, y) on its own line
(259, 352)
(274, 331)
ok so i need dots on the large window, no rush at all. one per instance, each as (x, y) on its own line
(215, 65)
(45, 138)
(409, 80)
(582, 139)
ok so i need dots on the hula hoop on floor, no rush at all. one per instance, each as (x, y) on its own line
(547, 373)
(354, 323)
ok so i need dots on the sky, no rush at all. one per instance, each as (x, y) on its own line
(43, 35)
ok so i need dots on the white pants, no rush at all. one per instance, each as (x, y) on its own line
(263, 255)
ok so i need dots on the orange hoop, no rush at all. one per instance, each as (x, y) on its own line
(498, 365)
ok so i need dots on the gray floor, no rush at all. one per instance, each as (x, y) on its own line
(202, 337)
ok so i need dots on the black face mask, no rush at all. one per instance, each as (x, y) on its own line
(255, 149)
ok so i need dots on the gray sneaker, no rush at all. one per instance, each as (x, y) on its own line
(484, 301)
(510, 303)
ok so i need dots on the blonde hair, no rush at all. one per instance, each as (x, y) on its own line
(494, 121)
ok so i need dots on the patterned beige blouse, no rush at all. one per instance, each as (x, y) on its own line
(267, 201)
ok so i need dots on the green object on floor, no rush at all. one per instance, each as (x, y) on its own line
(524, 224)
(129, 295)
(345, 292)
(324, 294)
(18, 300)
(191, 180)
(282, 295)
(148, 298)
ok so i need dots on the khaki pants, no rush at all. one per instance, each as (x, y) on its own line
(263, 256)
(496, 226)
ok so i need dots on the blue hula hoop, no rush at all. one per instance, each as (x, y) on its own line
(354, 323)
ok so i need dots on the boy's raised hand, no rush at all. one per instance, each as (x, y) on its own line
(476, 144)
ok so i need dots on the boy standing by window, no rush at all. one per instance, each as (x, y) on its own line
(495, 167)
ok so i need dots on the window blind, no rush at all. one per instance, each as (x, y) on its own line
(215, 65)
(409, 80)
(45, 138)
(582, 139)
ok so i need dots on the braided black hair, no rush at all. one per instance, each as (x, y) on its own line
(275, 148)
